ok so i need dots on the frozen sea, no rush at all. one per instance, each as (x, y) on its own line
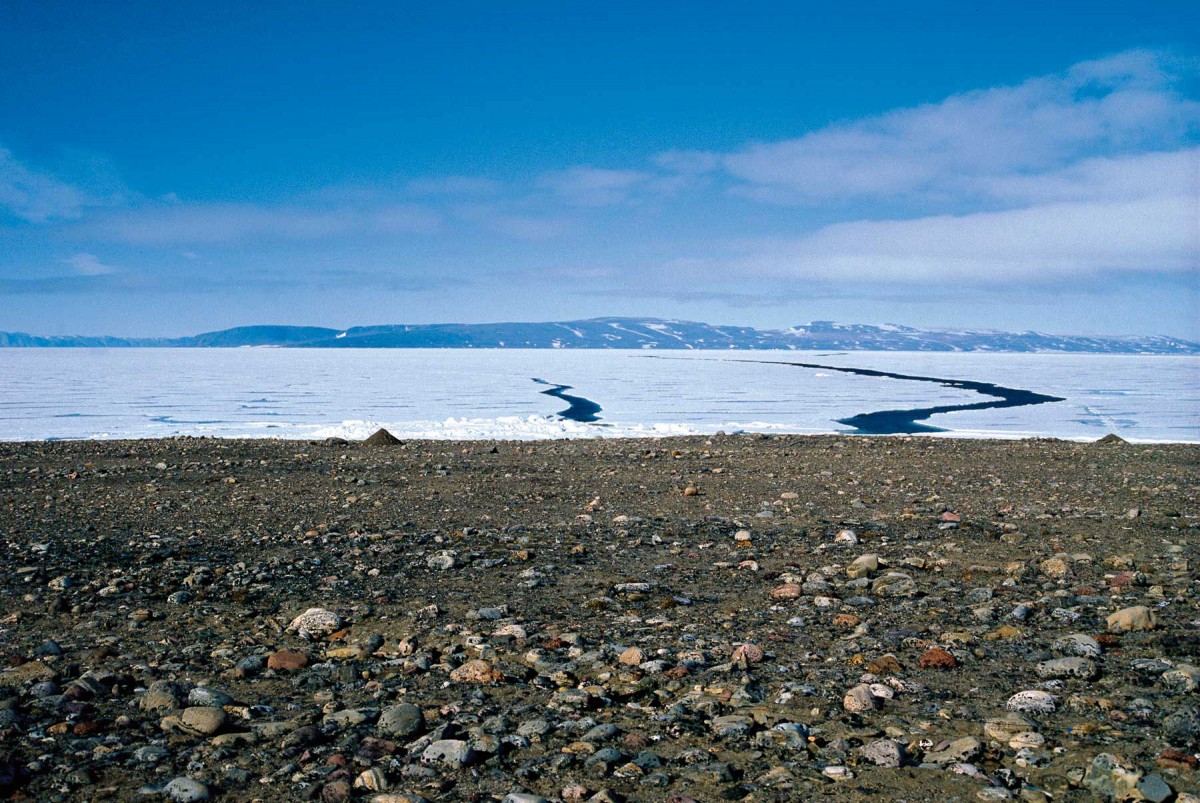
(466, 393)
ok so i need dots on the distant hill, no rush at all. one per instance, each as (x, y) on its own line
(632, 333)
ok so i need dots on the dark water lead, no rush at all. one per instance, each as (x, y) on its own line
(904, 422)
(582, 410)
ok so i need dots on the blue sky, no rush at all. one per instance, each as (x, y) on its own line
(167, 168)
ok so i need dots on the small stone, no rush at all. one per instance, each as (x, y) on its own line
(748, 654)
(451, 752)
(883, 753)
(185, 790)
(1055, 568)
(1004, 728)
(336, 792)
(884, 665)
(1184, 678)
(1027, 740)
(373, 780)
(1139, 617)
(1034, 701)
(731, 726)
(204, 696)
(1073, 667)
(1154, 788)
(959, 750)
(860, 699)
(1077, 644)
(863, 566)
(632, 656)
(937, 658)
(1108, 776)
(287, 661)
(400, 721)
(787, 591)
(476, 672)
(316, 623)
(894, 584)
(202, 720)
(846, 537)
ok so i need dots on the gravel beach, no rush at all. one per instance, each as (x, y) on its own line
(739, 617)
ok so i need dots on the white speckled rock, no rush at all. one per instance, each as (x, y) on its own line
(1073, 667)
(1027, 740)
(185, 790)
(1033, 701)
(316, 623)
(1184, 678)
(1077, 644)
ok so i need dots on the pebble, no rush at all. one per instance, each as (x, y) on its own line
(400, 721)
(1078, 644)
(451, 752)
(1073, 667)
(632, 656)
(185, 790)
(1034, 701)
(316, 623)
(883, 753)
(957, 751)
(287, 661)
(202, 720)
(860, 699)
(476, 672)
(1139, 617)
(863, 566)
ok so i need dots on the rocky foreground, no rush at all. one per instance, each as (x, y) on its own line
(733, 618)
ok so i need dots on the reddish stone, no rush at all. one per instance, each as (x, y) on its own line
(336, 792)
(937, 658)
(1176, 760)
(677, 672)
(950, 516)
(635, 741)
(287, 661)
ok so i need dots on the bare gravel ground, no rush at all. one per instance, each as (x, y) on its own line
(727, 618)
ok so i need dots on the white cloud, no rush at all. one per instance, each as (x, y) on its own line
(86, 264)
(949, 150)
(1042, 243)
(1172, 173)
(454, 185)
(593, 186)
(35, 196)
(234, 223)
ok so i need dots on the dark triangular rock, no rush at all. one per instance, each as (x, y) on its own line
(1111, 439)
(383, 438)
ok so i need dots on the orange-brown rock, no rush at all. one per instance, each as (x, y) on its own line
(287, 661)
(937, 658)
